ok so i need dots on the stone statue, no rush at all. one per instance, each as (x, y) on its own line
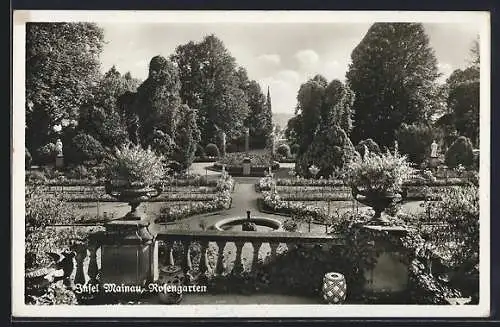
(434, 149)
(59, 148)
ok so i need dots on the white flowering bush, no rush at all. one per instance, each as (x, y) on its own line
(385, 172)
(131, 165)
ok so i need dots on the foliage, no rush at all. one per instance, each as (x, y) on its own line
(319, 106)
(62, 69)
(162, 143)
(284, 150)
(45, 153)
(135, 166)
(460, 153)
(393, 74)
(259, 119)
(27, 158)
(200, 151)
(294, 148)
(157, 100)
(370, 144)
(415, 141)
(459, 236)
(212, 150)
(330, 151)
(187, 137)
(261, 160)
(379, 172)
(209, 83)
(84, 147)
(463, 101)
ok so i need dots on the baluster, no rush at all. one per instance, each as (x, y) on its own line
(169, 253)
(81, 253)
(93, 269)
(204, 257)
(238, 265)
(220, 258)
(274, 248)
(186, 265)
(255, 259)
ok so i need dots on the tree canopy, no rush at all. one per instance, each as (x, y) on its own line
(393, 74)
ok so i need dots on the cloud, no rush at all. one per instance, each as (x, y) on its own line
(307, 57)
(270, 58)
(445, 69)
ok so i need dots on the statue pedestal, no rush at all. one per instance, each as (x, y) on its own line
(59, 162)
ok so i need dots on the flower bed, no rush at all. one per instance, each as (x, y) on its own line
(272, 201)
(222, 201)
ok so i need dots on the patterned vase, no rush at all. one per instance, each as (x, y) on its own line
(334, 288)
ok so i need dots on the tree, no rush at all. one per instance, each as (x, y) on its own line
(187, 137)
(157, 100)
(460, 153)
(210, 84)
(320, 103)
(101, 118)
(463, 101)
(415, 141)
(330, 151)
(259, 120)
(393, 74)
(62, 70)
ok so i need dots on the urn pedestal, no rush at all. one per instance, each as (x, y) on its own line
(129, 253)
(379, 201)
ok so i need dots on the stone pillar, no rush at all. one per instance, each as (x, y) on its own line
(247, 140)
(223, 144)
(59, 162)
(390, 271)
(129, 253)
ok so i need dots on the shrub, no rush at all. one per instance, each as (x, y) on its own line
(45, 154)
(284, 150)
(294, 149)
(78, 172)
(212, 150)
(135, 166)
(290, 225)
(370, 144)
(84, 147)
(415, 141)
(200, 152)
(460, 153)
(331, 150)
(27, 158)
(231, 148)
(379, 172)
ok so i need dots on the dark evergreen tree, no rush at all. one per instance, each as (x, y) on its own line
(393, 74)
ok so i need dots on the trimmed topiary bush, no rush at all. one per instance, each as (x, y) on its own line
(200, 152)
(370, 144)
(84, 147)
(212, 150)
(460, 153)
(46, 153)
(284, 150)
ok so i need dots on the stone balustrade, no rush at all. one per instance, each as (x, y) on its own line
(167, 239)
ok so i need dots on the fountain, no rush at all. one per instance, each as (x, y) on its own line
(248, 224)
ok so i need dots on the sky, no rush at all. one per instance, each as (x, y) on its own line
(279, 56)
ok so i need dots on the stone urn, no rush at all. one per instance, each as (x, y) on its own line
(334, 289)
(133, 194)
(379, 201)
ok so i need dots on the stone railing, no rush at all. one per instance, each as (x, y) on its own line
(87, 263)
(167, 239)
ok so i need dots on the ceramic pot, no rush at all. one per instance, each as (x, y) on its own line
(334, 288)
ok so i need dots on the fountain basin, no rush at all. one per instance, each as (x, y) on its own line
(235, 223)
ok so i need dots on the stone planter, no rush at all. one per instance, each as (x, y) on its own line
(134, 195)
(379, 201)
